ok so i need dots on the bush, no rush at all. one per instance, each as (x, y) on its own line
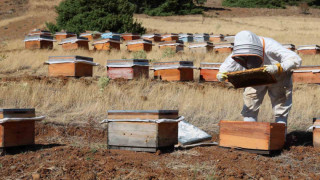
(254, 3)
(103, 82)
(96, 15)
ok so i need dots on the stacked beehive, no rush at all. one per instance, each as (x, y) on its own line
(39, 39)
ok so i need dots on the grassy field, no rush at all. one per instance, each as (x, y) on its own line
(203, 104)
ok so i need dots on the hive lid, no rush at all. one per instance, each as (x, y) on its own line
(150, 35)
(102, 41)
(307, 70)
(88, 33)
(200, 35)
(17, 110)
(17, 113)
(207, 65)
(171, 43)
(38, 38)
(173, 65)
(73, 40)
(130, 34)
(40, 32)
(200, 44)
(217, 35)
(143, 111)
(127, 62)
(139, 41)
(223, 45)
(306, 47)
(70, 59)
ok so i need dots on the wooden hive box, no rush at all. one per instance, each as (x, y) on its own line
(176, 46)
(309, 49)
(128, 68)
(229, 38)
(170, 37)
(38, 42)
(252, 135)
(223, 48)
(40, 32)
(204, 47)
(186, 38)
(139, 45)
(307, 74)
(70, 66)
(111, 35)
(209, 71)
(106, 44)
(149, 135)
(201, 37)
(91, 35)
(216, 38)
(74, 43)
(152, 37)
(16, 132)
(63, 35)
(316, 132)
(174, 71)
(130, 36)
(291, 47)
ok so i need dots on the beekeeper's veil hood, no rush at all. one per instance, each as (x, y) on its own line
(248, 49)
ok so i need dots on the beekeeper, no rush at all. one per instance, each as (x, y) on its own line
(251, 51)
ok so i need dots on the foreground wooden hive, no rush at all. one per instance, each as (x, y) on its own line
(17, 127)
(106, 44)
(142, 130)
(74, 43)
(128, 68)
(309, 49)
(176, 46)
(316, 132)
(70, 66)
(201, 37)
(204, 47)
(130, 36)
(63, 35)
(252, 135)
(291, 47)
(174, 71)
(223, 48)
(170, 37)
(216, 38)
(91, 35)
(307, 74)
(186, 38)
(139, 45)
(152, 37)
(209, 71)
(38, 42)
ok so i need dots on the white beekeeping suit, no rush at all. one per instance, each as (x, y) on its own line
(252, 51)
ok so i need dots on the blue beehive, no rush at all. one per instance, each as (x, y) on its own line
(201, 37)
(186, 37)
(111, 35)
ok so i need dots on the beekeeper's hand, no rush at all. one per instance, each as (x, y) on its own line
(273, 69)
(222, 76)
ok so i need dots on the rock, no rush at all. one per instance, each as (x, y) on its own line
(36, 176)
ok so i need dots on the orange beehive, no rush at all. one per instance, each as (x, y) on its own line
(128, 68)
(316, 132)
(152, 37)
(63, 35)
(38, 42)
(202, 47)
(17, 127)
(176, 46)
(91, 35)
(291, 47)
(309, 49)
(216, 38)
(209, 71)
(73, 43)
(70, 66)
(229, 38)
(307, 74)
(106, 44)
(223, 48)
(174, 71)
(139, 45)
(252, 135)
(130, 36)
(170, 37)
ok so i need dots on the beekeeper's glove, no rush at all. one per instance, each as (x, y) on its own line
(273, 69)
(222, 76)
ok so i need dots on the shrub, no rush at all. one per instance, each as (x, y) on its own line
(168, 53)
(139, 55)
(96, 15)
(103, 82)
(254, 3)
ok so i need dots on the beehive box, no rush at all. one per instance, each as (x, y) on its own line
(152, 37)
(38, 42)
(204, 47)
(174, 71)
(216, 38)
(170, 37)
(130, 36)
(128, 68)
(176, 46)
(229, 38)
(308, 49)
(250, 77)
(70, 66)
(262, 136)
(91, 35)
(63, 35)
(40, 32)
(201, 37)
(111, 35)
(141, 130)
(139, 45)
(186, 38)
(316, 132)
(291, 47)
(223, 48)
(74, 43)
(209, 71)
(16, 132)
(307, 74)
(106, 44)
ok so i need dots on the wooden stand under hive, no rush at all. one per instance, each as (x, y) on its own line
(147, 131)
(176, 46)
(216, 38)
(130, 36)
(209, 71)
(170, 37)
(91, 35)
(291, 47)
(17, 127)
(316, 132)
(152, 37)
(70, 66)
(307, 74)
(73, 43)
(128, 68)
(186, 38)
(201, 37)
(309, 49)
(63, 35)
(106, 44)
(38, 42)
(223, 48)
(174, 71)
(262, 137)
(139, 45)
(204, 47)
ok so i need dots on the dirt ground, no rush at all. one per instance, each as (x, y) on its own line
(80, 152)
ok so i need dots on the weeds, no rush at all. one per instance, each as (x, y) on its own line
(103, 82)
(168, 53)
(139, 55)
